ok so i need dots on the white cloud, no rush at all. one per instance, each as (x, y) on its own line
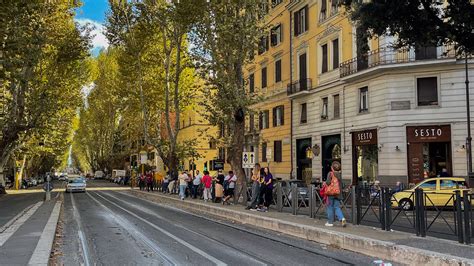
(99, 41)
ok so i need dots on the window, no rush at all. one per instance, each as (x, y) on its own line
(364, 99)
(324, 66)
(263, 120)
(263, 45)
(301, 21)
(278, 70)
(324, 109)
(335, 53)
(264, 152)
(252, 83)
(302, 67)
(276, 2)
(251, 123)
(428, 185)
(448, 184)
(334, 6)
(276, 35)
(264, 77)
(323, 14)
(222, 153)
(278, 116)
(304, 114)
(277, 151)
(427, 90)
(336, 106)
(212, 145)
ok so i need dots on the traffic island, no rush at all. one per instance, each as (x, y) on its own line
(362, 239)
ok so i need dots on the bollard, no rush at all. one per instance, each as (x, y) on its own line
(458, 210)
(294, 199)
(467, 217)
(420, 220)
(358, 204)
(388, 209)
(310, 199)
(279, 197)
(353, 206)
(381, 203)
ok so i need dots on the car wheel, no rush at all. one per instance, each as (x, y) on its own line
(405, 204)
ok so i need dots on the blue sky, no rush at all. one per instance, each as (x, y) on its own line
(93, 13)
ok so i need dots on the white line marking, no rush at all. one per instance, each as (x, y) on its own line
(80, 232)
(134, 232)
(201, 235)
(177, 239)
(45, 244)
(17, 221)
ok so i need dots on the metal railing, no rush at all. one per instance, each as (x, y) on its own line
(299, 86)
(390, 55)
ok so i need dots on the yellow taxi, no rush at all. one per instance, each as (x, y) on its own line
(439, 192)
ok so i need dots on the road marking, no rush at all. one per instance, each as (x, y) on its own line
(45, 244)
(134, 232)
(177, 239)
(12, 226)
(201, 235)
(80, 232)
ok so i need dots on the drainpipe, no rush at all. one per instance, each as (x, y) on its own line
(291, 99)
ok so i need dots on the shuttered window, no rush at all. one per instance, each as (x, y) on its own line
(335, 54)
(264, 152)
(264, 77)
(252, 83)
(278, 116)
(304, 113)
(336, 106)
(427, 90)
(324, 66)
(278, 70)
(301, 21)
(277, 147)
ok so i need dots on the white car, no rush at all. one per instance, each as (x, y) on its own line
(76, 185)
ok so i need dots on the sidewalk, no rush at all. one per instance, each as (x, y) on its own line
(28, 237)
(394, 246)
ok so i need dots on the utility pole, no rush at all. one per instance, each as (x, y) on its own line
(468, 110)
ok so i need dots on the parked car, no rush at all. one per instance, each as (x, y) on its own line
(98, 175)
(439, 191)
(76, 185)
(34, 181)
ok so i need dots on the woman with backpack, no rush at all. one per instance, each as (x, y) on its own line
(333, 190)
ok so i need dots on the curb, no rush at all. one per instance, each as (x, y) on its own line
(383, 249)
(44, 246)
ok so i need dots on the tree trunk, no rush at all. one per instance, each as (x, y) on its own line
(235, 160)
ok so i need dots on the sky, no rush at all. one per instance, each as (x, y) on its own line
(92, 13)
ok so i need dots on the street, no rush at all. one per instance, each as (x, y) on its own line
(110, 228)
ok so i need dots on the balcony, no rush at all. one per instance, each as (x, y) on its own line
(300, 86)
(392, 56)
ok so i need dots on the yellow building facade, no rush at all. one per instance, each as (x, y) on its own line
(306, 43)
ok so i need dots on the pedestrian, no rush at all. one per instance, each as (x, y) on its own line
(267, 189)
(183, 183)
(229, 187)
(334, 193)
(172, 185)
(255, 187)
(141, 181)
(196, 183)
(166, 182)
(207, 182)
(149, 181)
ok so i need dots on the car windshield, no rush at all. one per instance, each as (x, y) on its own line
(77, 181)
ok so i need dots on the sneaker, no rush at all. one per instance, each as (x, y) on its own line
(343, 222)
(253, 209)
(328, 224)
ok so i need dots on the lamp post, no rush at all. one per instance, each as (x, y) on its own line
(468, 110)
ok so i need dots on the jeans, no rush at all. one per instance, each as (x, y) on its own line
(334, 207)
(182, 191)
(255, 195)
(195, 191)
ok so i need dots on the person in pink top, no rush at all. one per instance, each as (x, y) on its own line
(207, 181)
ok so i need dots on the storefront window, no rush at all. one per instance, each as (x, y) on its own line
(435, 156)
(367, 163)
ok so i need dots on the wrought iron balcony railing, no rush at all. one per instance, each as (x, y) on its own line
(389, 55)
(299, 86)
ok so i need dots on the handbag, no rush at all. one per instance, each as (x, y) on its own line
(333, 189)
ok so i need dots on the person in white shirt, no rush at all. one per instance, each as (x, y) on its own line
(183, 183)
(229, 187)
(196, 183)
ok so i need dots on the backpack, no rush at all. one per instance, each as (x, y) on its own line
(333, 189)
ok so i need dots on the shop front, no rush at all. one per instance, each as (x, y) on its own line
(365, 156)
(429, 152)
(330, 151)
(303, 160)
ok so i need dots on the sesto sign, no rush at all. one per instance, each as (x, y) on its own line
(366, 137)
(429, 133)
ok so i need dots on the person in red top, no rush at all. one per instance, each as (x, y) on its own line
(207, 181)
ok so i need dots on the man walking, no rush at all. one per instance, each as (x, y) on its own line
(196, 183)
(207, 182)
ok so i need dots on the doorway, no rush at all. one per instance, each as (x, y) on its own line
(303, 163)
(331, 151)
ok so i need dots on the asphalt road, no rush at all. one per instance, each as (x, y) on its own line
(113, 228)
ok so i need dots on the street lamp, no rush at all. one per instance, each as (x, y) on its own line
(468, 110)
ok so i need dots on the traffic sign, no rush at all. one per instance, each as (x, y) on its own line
(48, 186)
(248, 159)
